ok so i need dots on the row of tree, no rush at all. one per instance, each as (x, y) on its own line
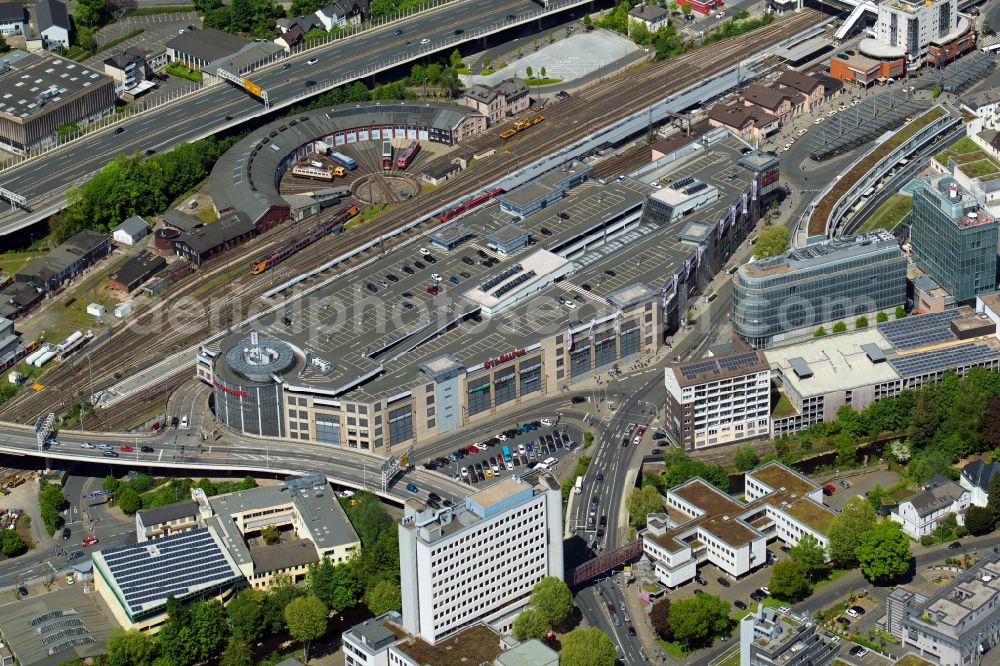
(551, 604)
(131, 185)
(145, 492)
(856, 539)
(50, 502)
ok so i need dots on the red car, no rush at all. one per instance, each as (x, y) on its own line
(88, 540)
(433, 291)
(471, 449)
(155, 426)
(126, 448)
(829, 489)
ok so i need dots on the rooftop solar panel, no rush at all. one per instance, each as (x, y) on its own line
(174, 565)
(965, 355)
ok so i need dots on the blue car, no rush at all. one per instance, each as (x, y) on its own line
(412, 488)
(453, 279)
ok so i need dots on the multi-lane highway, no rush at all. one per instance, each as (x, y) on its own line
(45, 179)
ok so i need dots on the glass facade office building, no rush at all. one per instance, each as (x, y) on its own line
(778, 298)
(954, 241)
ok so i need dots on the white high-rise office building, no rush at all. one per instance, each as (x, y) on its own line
(478, 561)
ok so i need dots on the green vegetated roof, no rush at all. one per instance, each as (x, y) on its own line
(817, 222)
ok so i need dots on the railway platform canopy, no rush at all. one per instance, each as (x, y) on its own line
(961, 73)
(245, 179)
(863, 123)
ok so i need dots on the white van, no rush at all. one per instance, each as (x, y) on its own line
(549, 463)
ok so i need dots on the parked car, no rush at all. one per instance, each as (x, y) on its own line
(739, 604)
(723, 582)
(66, 532)
(954, 545)
(858, 651)
(829, 489)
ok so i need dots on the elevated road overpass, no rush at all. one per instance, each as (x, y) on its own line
(175, 450)
(44, 180)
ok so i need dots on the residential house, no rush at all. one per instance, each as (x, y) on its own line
(923, 512)
(652, 17)
(807, 91)
(976, 477)
(52, 21)
(776, 102)
(747, 122)
(507, 98)
(291, 38)
(340, 13)
(303, 23)
(12, 18)
(133, 66)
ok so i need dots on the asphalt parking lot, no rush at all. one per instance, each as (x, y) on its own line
(553, 447)
(860, 485)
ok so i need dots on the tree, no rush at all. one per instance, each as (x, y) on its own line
(884, 552)
(659, 617)
(486, 60)
(846, 529)
(588, 647)
(936, 91)
(900, 312)
(978, 520)
(687, 8)
(209, 626)
(383, 597)
(13, 544)
(881, 317)
(50, 504)
(271, 535)
(986, 26)
(809, 554)
(839, 327)
(989, 431)
(771, 242)
(130, 648)
(745, 459)
(789, 582)
(819, 332)
(280, 594)
(129, 501)
(642, 502)
(306, 618)
(528, 71)
(993, 496)
(542, 72)
(246, 614)
(4, 46)
(877, 496)
(237, 654)
(455, 59)
(530, 623)
(587, 21)
(861, 322)
(693, 621)
(551, 597)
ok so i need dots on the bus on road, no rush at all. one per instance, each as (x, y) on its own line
(578, 488)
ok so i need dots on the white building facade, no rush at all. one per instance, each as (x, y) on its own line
(478, 562)
(719, 400)
(921, 514)
(702, 524)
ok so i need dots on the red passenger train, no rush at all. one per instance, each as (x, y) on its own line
(468, 205)
(322, 229)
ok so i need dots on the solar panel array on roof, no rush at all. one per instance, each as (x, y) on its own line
(697, 187)
(174, 565)
(919, 330)
(966, 355)
(738, 361)
(692, 370)
(682, 183)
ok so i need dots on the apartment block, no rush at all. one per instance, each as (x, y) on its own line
(719, 400)
(960, 623)
(478, 561)
(702, 524)
(769, 637)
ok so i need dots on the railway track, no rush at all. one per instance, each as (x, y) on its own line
(134, 347)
